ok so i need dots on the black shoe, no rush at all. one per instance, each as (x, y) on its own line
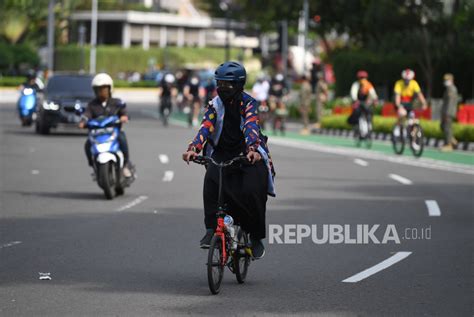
(258, 250)
(206, 240)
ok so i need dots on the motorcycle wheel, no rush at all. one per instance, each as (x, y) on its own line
(107, 179)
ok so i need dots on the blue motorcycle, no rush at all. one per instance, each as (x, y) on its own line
(108, 159)
(27, 106)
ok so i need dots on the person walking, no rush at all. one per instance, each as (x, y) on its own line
(305, 104)
(321, 98)
(448, 112)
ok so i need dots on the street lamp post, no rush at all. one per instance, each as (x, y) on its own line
(82, 36)
(92, 64)
(51, 35)
(305, 40)
(225, 6)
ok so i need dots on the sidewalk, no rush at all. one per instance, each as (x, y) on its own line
(460, 157)
(383, 147)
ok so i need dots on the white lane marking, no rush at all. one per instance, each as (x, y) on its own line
(133, 203)
(168, 177)
(164, 159)
(35, 172)
(361, 162)
(9, 244)
(397, 257)
(44, 276)
(400, 179)
(433, 208)
(418, 162)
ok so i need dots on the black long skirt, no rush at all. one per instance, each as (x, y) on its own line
(244, 192)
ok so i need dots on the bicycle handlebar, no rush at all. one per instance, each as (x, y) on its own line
(203, 160)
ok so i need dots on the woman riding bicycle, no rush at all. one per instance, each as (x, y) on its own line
(230, 128)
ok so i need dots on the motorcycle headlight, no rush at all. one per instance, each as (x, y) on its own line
(50, 105)
(27, 91)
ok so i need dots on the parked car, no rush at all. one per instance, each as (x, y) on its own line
(65, 98)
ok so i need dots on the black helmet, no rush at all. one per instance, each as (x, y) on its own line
(231, 71)
(31, 74)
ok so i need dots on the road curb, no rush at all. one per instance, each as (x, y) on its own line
(430, 142)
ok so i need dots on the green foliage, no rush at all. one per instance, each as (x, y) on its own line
(114, 59)
(23, 20)
(431, 129)
(11, 81)
(17, 56)
(142, 84)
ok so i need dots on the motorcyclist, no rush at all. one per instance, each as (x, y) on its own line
(33, 82)
(105, 105)
(230, 128)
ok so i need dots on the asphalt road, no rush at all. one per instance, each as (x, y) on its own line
(138, 255)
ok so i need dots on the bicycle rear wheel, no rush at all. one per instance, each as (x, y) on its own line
(241, 258)
(398, 139)
(215, 268)
(417, 140)
(368, 140)
(357, 137)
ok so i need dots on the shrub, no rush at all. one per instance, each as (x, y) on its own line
(432, 129)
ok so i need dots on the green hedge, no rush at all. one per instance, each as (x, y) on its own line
(142, 83)
(14, 57)
(431, 129)
(11, 81)
(115, 59)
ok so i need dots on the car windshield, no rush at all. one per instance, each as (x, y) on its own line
(70, 86)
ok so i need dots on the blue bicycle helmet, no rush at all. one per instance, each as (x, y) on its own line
(231, 71)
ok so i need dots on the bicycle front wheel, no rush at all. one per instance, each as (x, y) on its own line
(215, 267)
(398, 139)
(417, 140)
(241, 258)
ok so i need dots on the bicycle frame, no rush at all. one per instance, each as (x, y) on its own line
(221, 229)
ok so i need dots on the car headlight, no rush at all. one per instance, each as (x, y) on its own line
(50, 105)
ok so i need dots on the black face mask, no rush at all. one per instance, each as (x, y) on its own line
(227, 94)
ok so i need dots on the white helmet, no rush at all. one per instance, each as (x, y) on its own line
(408, 74)
(169, 78)
(103, 79)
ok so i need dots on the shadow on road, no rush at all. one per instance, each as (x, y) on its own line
(62, 195)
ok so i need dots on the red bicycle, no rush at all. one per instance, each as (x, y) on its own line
(230, 244)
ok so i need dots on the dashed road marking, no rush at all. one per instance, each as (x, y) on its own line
(361, 162)
(164, 159)
(397, 257)
(34, 172)
(133, 203)
(400, 179)
(9, 244)
(168, 176)
(433, 208)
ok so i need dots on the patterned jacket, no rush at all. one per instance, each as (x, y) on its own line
(211, 129)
